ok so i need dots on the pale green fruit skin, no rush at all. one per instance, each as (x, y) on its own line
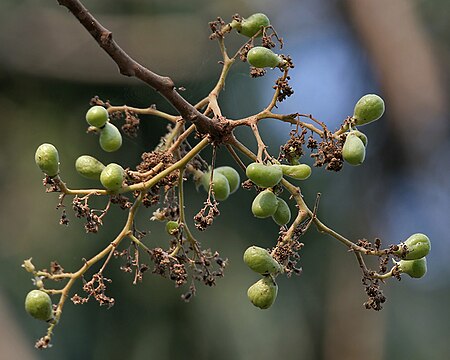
(47, 159)
(112, 177)
(260, 261)
(298, 172)
(110, 138)
(265, 204)
(172, 227)
(97, 116)
(353, 151)
(415, 268)
(362, 136)
(263, 293)
(418, 246)
(261, 57)
(250, 26)
(234, 180)
(264, 175)
(39, 305)
(89, 167)
(369, 108)
(221, 186)
(283, 214)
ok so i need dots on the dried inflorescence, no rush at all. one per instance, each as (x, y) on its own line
(329, 152)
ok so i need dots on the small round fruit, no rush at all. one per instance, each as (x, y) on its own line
(172, 227)
(260, 261)
(110, 138)
(97, 116)
(263, 293)
(39, 305)
(232, 176)
(264, 175)
(359, 134)
(221, 187)
(89, 167)
(251, 25)
(417, 246)
(283, 214)
(369, 108)
(353, 151)
(298, 172)
(414, 268)
(265, 204)
(47, 159)
(261, 57)
(112, 177)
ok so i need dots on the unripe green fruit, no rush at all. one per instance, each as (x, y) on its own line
(172, 227)
(353, 151)
(97, 116)
(39, 305)
(260, 261)
(112, 177)
(283, 214)
(110, 138)
(418, 246)
(264, 175)
(298, 172)
(221, 187)
(263, 293)
(250, 26)
(232, 176)
(369, 108)
(359, 134)
(265, 204)
(47, 159)
(89, 167)
(261, 57)
(414, 268)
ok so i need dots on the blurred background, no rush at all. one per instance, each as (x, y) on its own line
(342, 49)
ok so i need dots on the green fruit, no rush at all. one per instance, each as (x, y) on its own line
(417, 245)
(250, 26)
(260, 260)
(263, 293)
(47, 158)
(369, 108)
(265, 204)
(264, 175)
(39, 305)
(414, 268)
(221, 187)
(89, 167)
(110, 138)
(283, 214)
(261, 57)
(172, 227)
(298, 172)
(232, 176)
(359, 134)
(353, 150)
(112, 177)
(97, 116)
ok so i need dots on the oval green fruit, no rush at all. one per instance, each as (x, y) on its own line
(232, 176)
(89, 167)
(298, 172)
(47, 159)
(264, 175)
(265, 204)
(112, 177)
(97, 116)
(263, 293)
(221, 187)
(415, 268)
(260, 261)
(110, 138)
(417, 246)
(359, 134)
(283, 214)
(251, 25)
(353, 151)
(39, 305)
(172, 227)
(369, 108)
(261, 57)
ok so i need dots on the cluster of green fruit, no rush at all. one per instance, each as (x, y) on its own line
(225, 181)
(413, 252)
